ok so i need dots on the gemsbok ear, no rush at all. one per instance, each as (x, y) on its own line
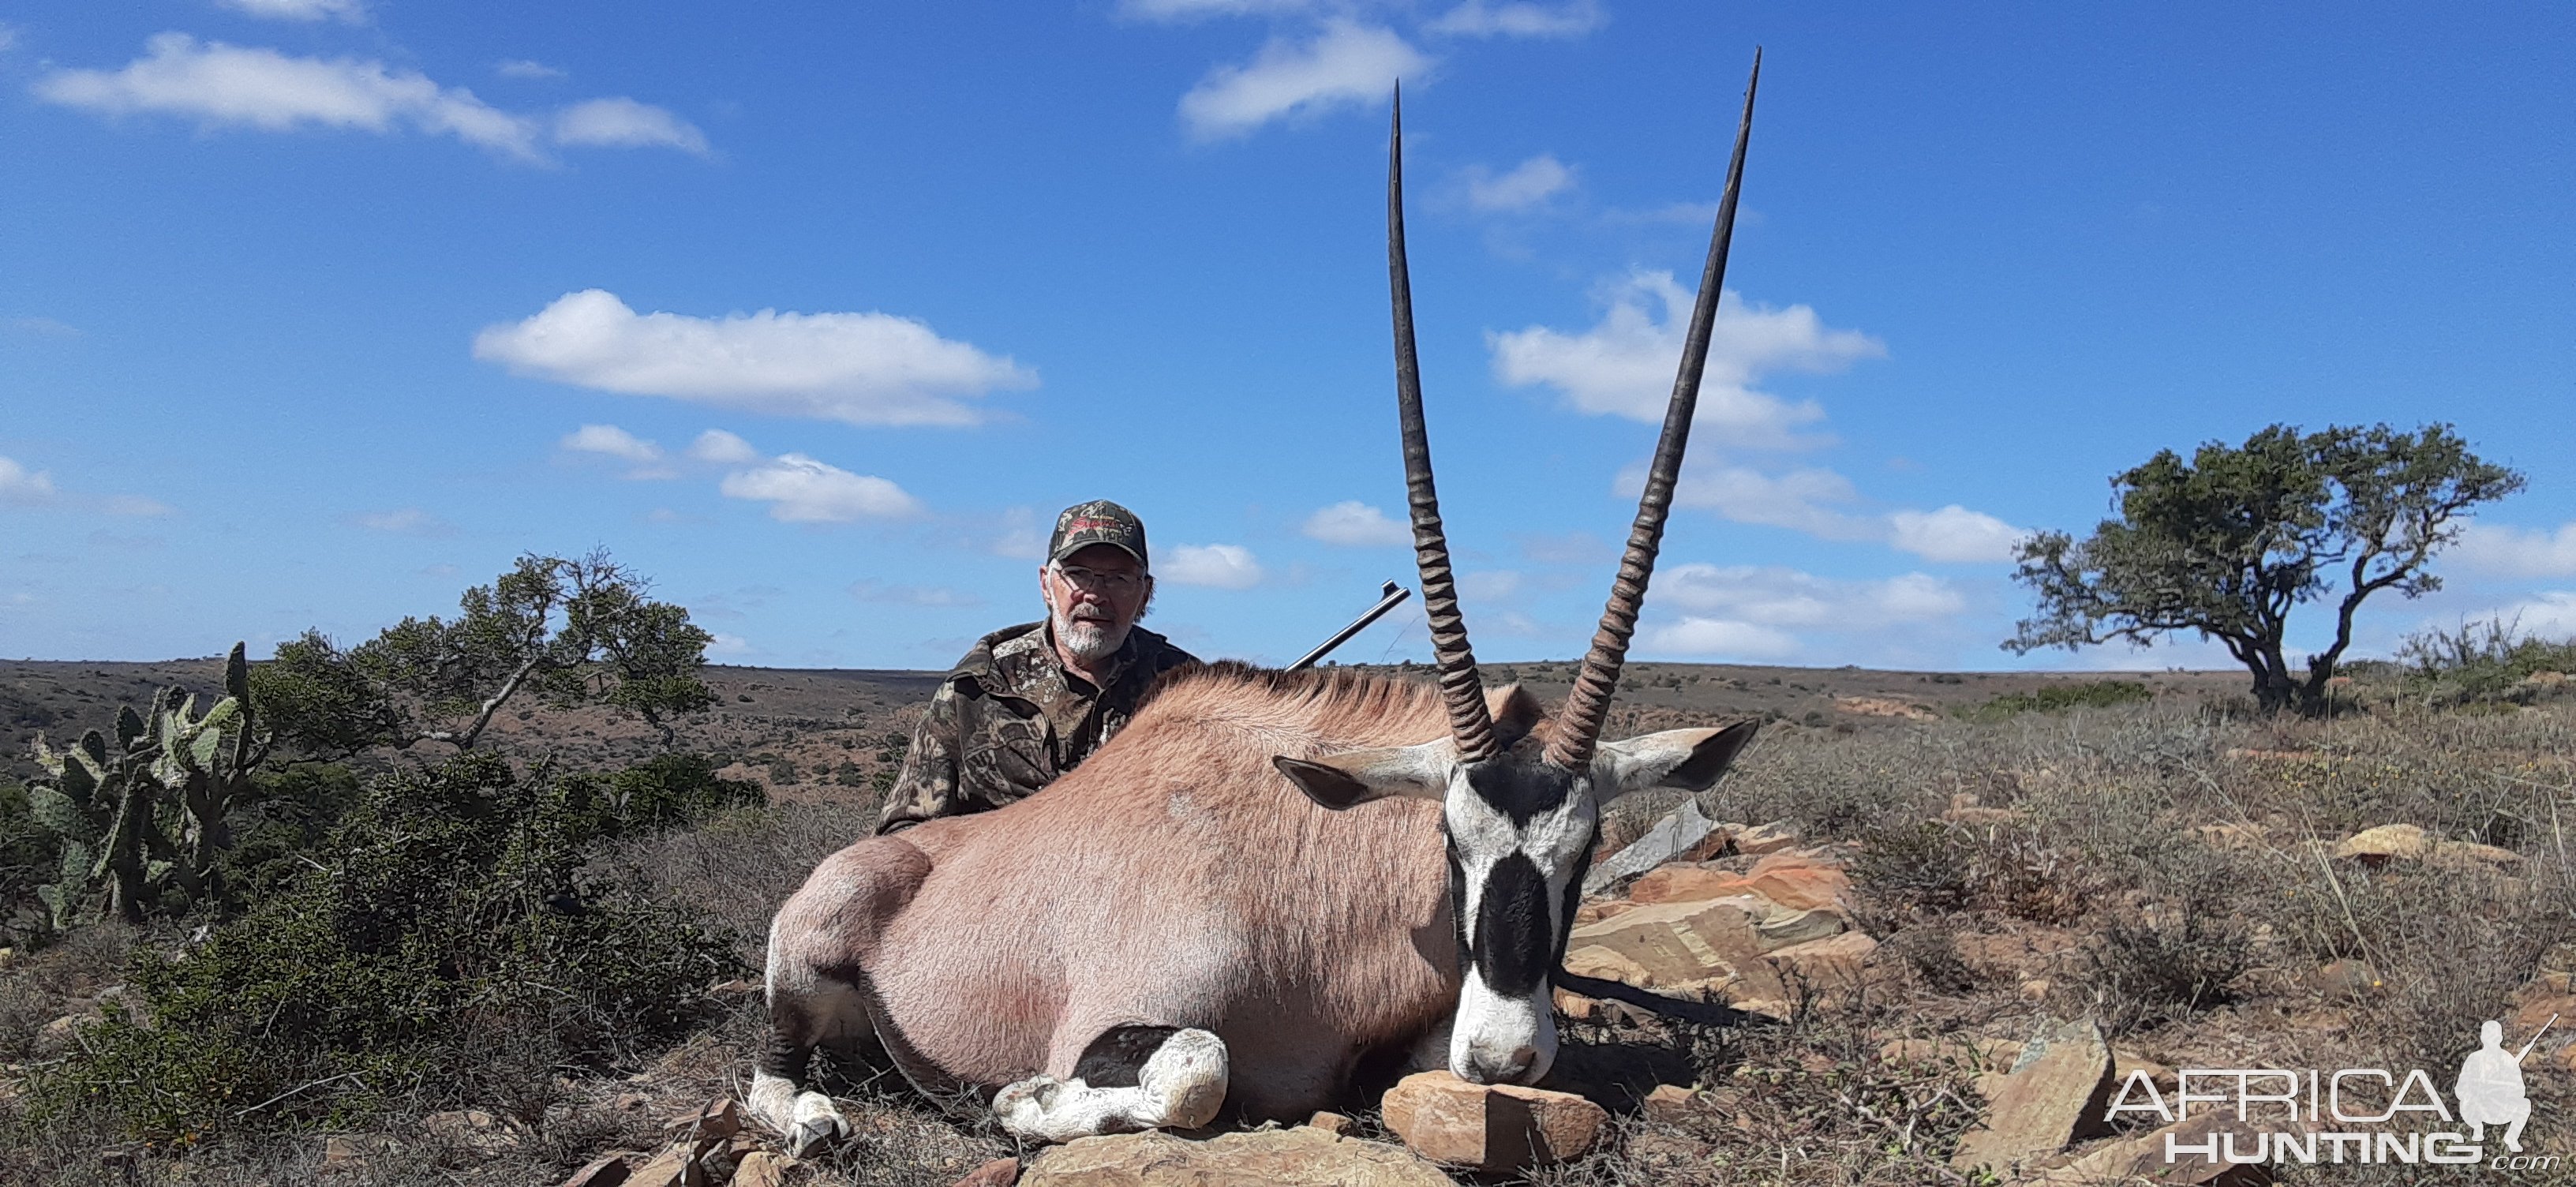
(1515, 713)
(1355, 777)
(1690, 760)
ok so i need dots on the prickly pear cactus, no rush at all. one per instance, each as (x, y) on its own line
(146, 812)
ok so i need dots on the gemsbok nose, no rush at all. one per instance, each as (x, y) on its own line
(1515, 1067)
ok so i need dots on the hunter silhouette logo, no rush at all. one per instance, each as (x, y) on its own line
(2352, 1115)
(2490, 1086)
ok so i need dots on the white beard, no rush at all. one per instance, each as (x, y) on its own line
(1088, 639)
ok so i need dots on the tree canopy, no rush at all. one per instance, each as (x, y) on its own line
(2228, 542)
(567, 631)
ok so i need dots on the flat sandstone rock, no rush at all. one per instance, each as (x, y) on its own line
(2056, 1090)
(1497, 1127)
(1302, 1157)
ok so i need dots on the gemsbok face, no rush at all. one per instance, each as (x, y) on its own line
(1521, 820)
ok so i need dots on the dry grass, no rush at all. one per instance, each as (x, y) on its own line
(2164, 869)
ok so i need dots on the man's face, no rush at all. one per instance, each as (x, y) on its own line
(1093, 597)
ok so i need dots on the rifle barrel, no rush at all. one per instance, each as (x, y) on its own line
(1388, 598)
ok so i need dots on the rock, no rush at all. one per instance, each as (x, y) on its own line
(2469, 855)
(1685, 884)
(1784, 928)
(1665, 841)
(2036, 989)
(2389, 842)
(1299, 1157)
(62, 1034)
(1600, 909)
(1595, 960)
(1837, 962)
(2345, 978)
(1885, 707)
(674, 1167)
(1767, 838)
(1332, 1123)
(1495, 1127)
(1983, 817)
(2059, 1085)
(343, 1154)
(1799, 881)
(2125, 1061)
(607, 1170)
(2230, 836)
(1708, 945)
(721, 1118)
(1000, 1172)
(473, 1129)
(629, 1101)
(2141, 1160)
(1576, 1006)
(1669, 1103)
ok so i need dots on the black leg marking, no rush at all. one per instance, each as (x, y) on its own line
(790, 1050)
(1114, 1059)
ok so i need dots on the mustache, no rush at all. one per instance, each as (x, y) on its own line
(1088, 613)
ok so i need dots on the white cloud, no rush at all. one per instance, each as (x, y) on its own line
(407, 521)
(1183, 10)
(22, 487)
(2550, 614)
(525, 68)
(1624, 366)
(1780, 597)
(1954, 533)
(624, 123)
(857, 368)
(1529, 184)
(911, 595)
(732, 645)
(2518, 552)
(222, 84)
(1222, 566)
(1354, 524)
(8, 38)
(800, 489)
(1798, 500)
(1721, 638)
(1019, 538)
(352, 11)
(262, 88)
(1489, 584)
(1811, 501)
(612, 441)
(1754, 612)
(1519, 18)
(1345, 64)
(722, 448)
(44, 327)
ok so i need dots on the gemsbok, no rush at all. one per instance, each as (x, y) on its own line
(1266, 879)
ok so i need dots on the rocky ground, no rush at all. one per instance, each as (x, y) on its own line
(1921, 949)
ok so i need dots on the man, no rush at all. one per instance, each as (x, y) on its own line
(1030, 702)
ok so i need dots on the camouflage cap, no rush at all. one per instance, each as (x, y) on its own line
(1097, 522)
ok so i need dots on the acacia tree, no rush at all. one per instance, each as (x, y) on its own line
(566, 631)
(2226, 544)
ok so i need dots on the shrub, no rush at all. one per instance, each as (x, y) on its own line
(447, 949)
(2058, 698)
(2481, 662)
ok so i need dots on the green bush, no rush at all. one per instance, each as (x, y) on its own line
(2482, 662)
(445, 948)
(2058, 698)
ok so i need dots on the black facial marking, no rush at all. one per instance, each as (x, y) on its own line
(1113, 1059)
(1513, 942)
(1574, 894)
(1458, 901)
(1522, 791)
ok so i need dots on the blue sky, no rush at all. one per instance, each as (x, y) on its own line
(313, 312)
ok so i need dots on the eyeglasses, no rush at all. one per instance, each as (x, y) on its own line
(1105, 582)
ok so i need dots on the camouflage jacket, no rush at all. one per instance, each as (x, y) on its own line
(1009, 719)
